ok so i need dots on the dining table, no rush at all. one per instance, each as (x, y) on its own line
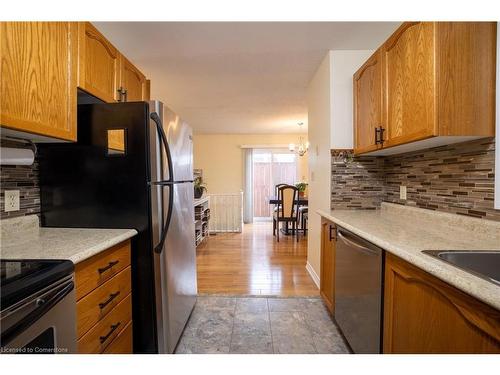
(300, 201)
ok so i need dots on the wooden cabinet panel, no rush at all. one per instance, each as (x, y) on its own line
(95, 305)
(95, 271)
(104, 332)
(327, 264)
(99, 64)
(410, 83)
(422, 314)
(122, 344)
(466, 66)
(132, 81)
(38, 77)
(367, 90)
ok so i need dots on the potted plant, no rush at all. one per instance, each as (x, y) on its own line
(301, 186)
(199, 187)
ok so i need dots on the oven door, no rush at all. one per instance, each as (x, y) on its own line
(44, 323)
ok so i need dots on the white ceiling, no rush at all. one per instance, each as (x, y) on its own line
(229, 77)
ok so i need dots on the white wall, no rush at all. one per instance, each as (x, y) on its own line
(343, 65)
(329, 101)
(221, 158)
(319, 119)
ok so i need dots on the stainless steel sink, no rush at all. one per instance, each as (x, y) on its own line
(485, 264)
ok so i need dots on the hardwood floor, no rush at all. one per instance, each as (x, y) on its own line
(253, 263)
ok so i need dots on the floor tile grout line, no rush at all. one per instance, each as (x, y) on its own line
(232, 327)
(270, 327)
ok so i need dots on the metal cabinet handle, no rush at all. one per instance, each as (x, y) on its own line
(120, 94)
(112, 296)
(110, 264)
(113, 327)
(379, 135)
(125, 91)
(381, 132)
(355, 245)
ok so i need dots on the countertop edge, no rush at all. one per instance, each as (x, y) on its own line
(447, 273)
(96, 249)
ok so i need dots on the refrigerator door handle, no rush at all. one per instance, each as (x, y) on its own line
(159, 127)
(159, 248)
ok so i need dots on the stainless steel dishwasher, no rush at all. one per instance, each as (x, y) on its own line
(358, 291)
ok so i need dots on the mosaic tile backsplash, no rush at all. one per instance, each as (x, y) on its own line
(456, 178)
(23, 178)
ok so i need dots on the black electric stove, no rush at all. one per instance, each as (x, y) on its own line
(21, 278)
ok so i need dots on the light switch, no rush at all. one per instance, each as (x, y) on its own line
(402, 192)
(11, 200)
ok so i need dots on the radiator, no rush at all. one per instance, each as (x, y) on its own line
(226, 212)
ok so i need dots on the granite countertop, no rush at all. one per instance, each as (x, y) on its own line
(23, 238)
(406, 231)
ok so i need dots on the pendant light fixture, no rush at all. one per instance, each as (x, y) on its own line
(302, 146)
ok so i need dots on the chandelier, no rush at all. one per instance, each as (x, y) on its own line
(302, 146)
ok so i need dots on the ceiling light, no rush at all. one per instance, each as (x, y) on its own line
(302, 147)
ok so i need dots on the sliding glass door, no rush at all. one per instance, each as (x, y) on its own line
(270, 168)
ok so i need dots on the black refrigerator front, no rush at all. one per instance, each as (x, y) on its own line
(104, 181)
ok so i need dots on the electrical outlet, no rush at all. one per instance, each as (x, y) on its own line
(402, 192)
(11, 200)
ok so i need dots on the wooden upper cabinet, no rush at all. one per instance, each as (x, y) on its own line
(39, 77)
(466, 67)
(423, 314)
(328, 239)
(99, 64)
(410, 83)
(133, 83)
(367, 90)
(437, 80)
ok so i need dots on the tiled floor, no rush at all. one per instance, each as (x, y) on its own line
(260, 325)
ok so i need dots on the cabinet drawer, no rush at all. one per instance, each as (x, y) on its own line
(95, 305)
(122, 344)
(95, 271)
(104, 332)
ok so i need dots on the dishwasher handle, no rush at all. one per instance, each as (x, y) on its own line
(343, 236)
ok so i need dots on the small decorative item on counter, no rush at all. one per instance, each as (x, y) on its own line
(199, 187)
(301, 186)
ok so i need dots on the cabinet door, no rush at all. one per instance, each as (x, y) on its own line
(133, 82)
(99, 64)
(327, 264)
(38, 77)
(422, 314)
(367, 90)
(409, 82)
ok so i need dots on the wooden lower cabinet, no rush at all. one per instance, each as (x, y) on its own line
(104, 302)
(423, 314)
(122, 344)
(328, 239)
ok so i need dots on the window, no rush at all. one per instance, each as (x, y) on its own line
(270, 168)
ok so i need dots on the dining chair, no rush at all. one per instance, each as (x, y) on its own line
(287, 210)
(276, 187)
(303, 216)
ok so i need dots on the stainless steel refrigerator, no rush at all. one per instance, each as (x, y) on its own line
(132, 167)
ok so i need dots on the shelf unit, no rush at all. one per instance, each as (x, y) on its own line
(201, 219)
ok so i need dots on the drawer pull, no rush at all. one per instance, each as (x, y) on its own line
(113, 328)
(110, 264)
(112, 296)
